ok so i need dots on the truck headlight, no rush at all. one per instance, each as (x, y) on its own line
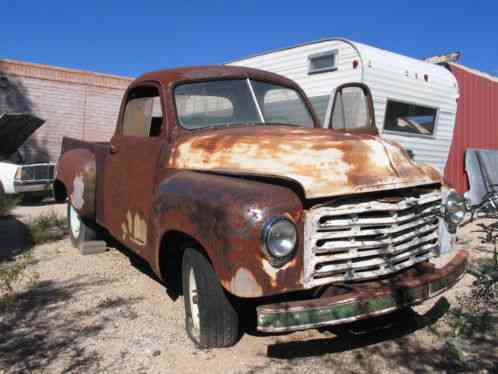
(279, 238)
(454, 210)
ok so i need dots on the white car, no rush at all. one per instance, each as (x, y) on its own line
(33, 180)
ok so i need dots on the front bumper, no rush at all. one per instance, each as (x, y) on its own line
(363, 300)
(32, 186)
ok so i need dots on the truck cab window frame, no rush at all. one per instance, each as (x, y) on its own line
(410, 119)
(143, 114)
(351, 109)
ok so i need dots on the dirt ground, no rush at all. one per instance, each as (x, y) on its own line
(107, 313)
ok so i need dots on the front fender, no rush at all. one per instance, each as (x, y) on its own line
(76, 170)
(226, 216)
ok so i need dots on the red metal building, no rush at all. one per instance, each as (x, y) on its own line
(476, 120)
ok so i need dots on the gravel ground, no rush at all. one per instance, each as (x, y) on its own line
(106, 313)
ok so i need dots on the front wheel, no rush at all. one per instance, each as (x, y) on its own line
(210, 318)
(79, 231)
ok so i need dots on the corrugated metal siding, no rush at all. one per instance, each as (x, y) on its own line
(476, 122)
(389, 75)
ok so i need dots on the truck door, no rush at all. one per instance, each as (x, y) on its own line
(351, 109)
(131, 167)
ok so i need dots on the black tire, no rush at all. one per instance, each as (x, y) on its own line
(85, 232)
(218, 319)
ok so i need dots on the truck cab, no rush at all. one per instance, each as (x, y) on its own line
(223, 177)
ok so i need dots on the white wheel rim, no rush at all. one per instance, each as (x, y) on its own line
(194, 300)
(74, 221)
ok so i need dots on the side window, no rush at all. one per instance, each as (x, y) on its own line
(281, 104)
(409, 118)
(350, 109)
(143, 113)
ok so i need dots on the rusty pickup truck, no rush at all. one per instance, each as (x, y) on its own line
(222, 179)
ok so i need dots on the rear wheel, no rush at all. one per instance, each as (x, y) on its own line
(79, 230)
(210, 318)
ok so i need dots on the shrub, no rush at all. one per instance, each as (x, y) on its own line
(46, 228)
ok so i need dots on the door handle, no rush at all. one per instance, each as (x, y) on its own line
(113, 149)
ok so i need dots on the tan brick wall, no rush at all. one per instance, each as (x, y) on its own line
(74, 103)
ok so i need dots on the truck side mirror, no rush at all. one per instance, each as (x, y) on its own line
(351, 109)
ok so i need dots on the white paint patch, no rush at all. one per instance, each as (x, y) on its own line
(78, 190)
(245, 285)
(270, 269)
(134, 229)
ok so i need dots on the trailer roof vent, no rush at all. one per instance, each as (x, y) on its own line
(322, 62)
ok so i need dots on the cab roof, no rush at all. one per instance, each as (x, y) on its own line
(169, 77)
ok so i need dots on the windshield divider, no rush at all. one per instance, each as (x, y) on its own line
(260, 112)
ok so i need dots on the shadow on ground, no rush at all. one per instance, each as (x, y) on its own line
(38, 330)
(15, 238)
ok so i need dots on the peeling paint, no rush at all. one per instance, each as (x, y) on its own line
(134, 229)
(324, 162)
(244, 284)
(271, 271)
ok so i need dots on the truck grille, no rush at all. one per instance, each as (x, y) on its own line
(368, 239)
(37, 172)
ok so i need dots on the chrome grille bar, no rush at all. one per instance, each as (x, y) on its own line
(370, 239)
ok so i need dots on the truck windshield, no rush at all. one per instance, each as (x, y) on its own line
(225, 102)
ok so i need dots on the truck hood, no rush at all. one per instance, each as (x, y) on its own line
(15, 128)
(324, 162)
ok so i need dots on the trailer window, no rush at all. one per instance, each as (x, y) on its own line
(143, 114)
(409, 118)
(322, 62)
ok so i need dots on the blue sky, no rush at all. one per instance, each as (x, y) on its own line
(132, 37)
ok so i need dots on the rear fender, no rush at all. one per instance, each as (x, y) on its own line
(76, 170)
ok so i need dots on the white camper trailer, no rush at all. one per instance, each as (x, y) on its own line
(415, 102)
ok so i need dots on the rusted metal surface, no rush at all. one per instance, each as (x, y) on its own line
(77, 171)
(326, 163)
(220, 186)
(364, 300)
(226, 216)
